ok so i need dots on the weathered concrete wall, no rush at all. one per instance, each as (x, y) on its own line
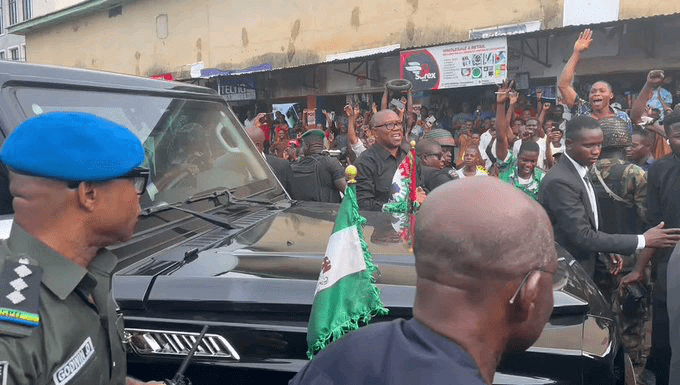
(286, 33)
(630, 9)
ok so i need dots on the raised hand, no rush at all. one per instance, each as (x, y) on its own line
(260, 120)
(349, 111)
(514, 95)
(504, 91)
(584, 40)
(539, 94)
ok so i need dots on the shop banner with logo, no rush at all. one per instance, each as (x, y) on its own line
(466, 64)
(234, 88)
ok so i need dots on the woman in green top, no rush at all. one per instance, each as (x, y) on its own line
(520, 172)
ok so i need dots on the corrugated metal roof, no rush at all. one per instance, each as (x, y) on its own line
(362, 53)
(566, 29)
(208, 73)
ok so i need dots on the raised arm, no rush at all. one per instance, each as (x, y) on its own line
(409, 107)
(383, 102)
(564, 84)
(545, 107)
(352, 114)
(502, 126)
(549, 161)
(654, 79)
(513, 96)
(539, 102)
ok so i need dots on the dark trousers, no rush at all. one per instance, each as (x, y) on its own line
(660, 354)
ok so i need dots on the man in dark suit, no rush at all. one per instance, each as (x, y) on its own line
(569, 199)
(281, 167)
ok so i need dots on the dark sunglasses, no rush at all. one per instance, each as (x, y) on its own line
(138, 175)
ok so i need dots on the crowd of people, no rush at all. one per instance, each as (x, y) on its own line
(603, 172)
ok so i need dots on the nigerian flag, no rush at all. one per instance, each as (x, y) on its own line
(345, 293)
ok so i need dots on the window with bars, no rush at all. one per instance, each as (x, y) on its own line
(14, 53)
(2, 55)
(2, 23)
(28, 8)
(13, 12)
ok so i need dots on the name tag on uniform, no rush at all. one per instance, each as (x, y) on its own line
(77, 361)
(4, 366)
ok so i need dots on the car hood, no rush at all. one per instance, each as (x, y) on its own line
(277, 259)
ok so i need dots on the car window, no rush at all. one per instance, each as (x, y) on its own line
(192, 146)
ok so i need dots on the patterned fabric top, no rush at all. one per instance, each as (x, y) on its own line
(583, 107)
(507, 172)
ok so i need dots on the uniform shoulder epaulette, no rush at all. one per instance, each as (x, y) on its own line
(19, 297)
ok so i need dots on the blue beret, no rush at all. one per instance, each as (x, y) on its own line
(72, 146)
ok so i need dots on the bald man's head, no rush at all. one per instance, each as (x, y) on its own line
(489, 228)
(379, 117)
(257, 136)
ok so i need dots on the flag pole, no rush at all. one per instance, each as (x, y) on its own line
(346, 295)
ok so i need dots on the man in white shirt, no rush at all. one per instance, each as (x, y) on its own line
(568, 197)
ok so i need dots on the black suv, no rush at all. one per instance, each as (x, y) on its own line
(220, 243)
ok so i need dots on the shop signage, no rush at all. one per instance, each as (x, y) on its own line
(233, 88)
(466, 64)
(505, 30)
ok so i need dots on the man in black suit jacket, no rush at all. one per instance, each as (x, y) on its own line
(568, 198)
(281, 167)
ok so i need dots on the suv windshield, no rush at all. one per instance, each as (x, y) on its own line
(192, 146)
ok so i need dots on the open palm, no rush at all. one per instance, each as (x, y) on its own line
(584, 40)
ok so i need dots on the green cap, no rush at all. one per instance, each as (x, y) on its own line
(314, 132)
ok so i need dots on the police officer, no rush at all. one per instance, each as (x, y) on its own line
(76, 183)
(317, 177)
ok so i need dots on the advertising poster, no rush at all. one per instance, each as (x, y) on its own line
(466, 64)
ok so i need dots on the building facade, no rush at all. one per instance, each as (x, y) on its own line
(12, 46)
(334, 48)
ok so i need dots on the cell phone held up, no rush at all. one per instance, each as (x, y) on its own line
(311, 117)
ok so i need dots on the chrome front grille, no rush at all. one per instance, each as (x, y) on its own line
(173, 343)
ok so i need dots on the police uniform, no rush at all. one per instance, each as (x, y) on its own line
(58, 320)
(314, 176)
(77, 339)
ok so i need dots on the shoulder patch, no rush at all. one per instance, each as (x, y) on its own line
(20, 293)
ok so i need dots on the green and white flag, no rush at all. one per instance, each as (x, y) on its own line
(345, 293)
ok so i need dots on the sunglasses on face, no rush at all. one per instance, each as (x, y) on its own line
(139, 176)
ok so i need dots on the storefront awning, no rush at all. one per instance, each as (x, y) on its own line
(208, 73)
